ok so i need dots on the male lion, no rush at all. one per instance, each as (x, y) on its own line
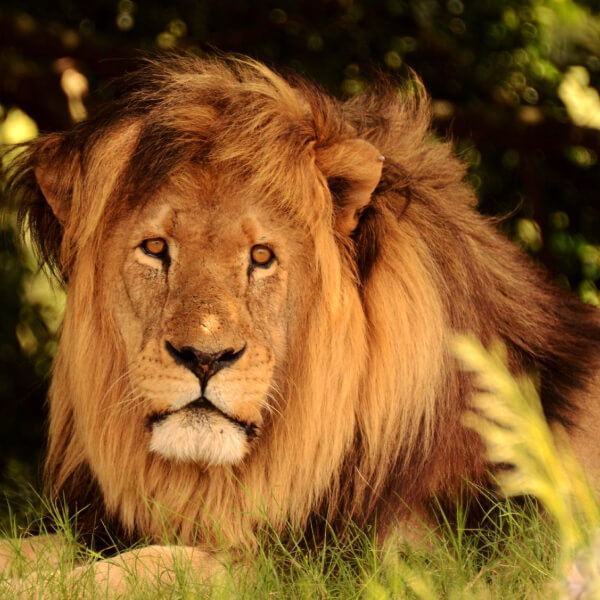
(263, 284)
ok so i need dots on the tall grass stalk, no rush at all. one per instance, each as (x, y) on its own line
(508, 415)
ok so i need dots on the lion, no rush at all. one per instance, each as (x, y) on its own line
(263, 286)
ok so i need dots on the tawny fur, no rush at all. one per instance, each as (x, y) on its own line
(364, 416)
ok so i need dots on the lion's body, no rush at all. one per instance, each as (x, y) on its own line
(346, 402)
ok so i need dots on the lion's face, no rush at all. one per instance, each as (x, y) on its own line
(203, 306)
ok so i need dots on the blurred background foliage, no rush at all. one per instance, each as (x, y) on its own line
(514, 84)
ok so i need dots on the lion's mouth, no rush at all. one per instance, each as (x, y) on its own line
(204, 405)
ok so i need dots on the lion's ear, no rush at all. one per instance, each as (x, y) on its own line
(41, 180)
(353, 170)
(53, 169)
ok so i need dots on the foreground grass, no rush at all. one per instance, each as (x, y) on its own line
(511, 556)
(519, 551)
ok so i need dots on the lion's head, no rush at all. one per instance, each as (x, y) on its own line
(260, 306)
(206, 284)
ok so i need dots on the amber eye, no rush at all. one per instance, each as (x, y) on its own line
(156, 247)
(262, 256)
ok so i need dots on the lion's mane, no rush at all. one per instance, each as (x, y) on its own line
(370, 423)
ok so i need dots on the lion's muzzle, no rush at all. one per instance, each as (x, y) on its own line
(214, 419)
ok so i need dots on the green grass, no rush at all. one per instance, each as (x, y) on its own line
(532, 548)
(511, 556)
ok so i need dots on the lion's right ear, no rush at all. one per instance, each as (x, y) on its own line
(41, 181)
(53, 176)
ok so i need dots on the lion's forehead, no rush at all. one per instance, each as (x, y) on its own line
(207, 220)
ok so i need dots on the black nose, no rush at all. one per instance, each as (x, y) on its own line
(204, 364)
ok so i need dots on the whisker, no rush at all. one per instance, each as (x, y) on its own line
(129, 400)
(274, 398)
(118, 380)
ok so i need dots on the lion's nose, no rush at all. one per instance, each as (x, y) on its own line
(204, 364)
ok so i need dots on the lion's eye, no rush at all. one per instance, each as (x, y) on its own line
(262, 256)
(156, 247)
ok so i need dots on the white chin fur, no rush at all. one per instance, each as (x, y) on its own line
(203, 437)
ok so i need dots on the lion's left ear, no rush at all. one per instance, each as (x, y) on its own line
(353, 170)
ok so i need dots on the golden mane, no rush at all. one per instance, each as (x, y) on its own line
(369, 426)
